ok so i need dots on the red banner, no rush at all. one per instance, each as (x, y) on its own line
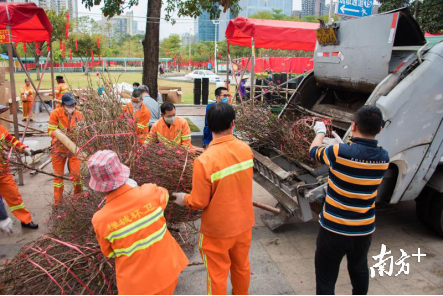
(98, 42)
(24, 47)
(70, 55)
(76, 45)
(4, 37)
(92, 54)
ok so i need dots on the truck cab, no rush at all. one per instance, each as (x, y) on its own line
(381, 60)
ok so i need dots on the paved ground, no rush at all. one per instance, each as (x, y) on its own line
(282, 262)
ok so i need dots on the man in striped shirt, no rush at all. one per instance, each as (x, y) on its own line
(348, 216)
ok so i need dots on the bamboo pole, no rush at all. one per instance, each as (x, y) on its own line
(252, 69)
(13, 95)
(31, 128)
(266, 207)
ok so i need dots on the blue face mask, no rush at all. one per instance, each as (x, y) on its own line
(225, 100)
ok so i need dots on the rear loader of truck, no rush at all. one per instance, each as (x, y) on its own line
(381, 60)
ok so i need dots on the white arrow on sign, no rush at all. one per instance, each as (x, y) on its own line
(343, 8)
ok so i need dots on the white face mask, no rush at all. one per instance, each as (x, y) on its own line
(136, 105)
(169, 120)
(70, 110)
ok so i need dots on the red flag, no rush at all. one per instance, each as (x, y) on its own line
(61, 44)
(76, 45)
(48, 48)
(63, 49)
(98, 42)
(70, 55)
(24, 47)
(67, 33)
(99, 58)
(92, 55)
(36, 47)
(209, 59)
(67, 16)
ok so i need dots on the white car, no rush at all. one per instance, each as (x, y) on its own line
(203, 74)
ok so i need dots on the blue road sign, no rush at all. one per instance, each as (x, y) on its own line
(354, 8)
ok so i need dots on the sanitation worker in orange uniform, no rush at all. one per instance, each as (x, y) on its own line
(61, 89)
(8, 188)
(27, 97)
(171, 129)
(131, 228)
(65, 119)
(222, 187)
(140, 114)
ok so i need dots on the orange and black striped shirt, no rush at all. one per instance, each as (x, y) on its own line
(355, 172)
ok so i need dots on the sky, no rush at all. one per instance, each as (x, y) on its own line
(183, 25)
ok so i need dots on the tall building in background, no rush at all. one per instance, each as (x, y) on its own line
(120, 25)
(205, 29)
(313, 7)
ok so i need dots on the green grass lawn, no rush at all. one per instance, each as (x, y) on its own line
(79, 80)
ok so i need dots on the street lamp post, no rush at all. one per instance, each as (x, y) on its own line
(215, 44)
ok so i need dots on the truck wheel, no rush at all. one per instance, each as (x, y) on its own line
(437, 213)
(423, 206)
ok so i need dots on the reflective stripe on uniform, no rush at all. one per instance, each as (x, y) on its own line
(58, 184)
(186, 137)
(14, 208)
(136, 226)
(232, 170)
(205, 262)
(77, 182)
(141, 244)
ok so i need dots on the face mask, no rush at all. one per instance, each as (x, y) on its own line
(70, 110)
(225, 100)
(169, 120)
(136, 105)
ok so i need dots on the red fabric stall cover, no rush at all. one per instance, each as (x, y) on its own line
(28, 22)
(288, 65)
(272, 34)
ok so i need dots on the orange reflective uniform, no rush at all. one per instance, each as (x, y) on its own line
(178, 132)
(60, 90)
(222, 186)
(8, 188)
(131, 227)
(28, 101)
(60, 154)
(141, 118)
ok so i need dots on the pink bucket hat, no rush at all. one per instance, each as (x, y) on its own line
(107, 172)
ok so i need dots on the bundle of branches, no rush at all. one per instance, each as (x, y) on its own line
(168, 166)
(262, 129)
(51, 266)
(71, 220)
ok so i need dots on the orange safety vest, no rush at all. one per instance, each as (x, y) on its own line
(30, 91)
(59, 120)
(131, 227)
(60, 90)
(178, 132)
(222, 187)
(141, 118)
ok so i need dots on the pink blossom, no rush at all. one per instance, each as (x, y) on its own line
(89, 111)
(130, 121)
(86, 194)
(160, 152)
(278, 81)
(164, 164)
(83, 98)
(71, 178)
(87, 240)
(179, 152)
(58, 216)
(72, 236)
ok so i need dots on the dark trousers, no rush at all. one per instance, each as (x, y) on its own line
(331, 248)
(3, 214)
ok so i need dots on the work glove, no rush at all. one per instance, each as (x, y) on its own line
(179, 198)
(6, 225)
(332, 141)
(319, 127)
(28, 151)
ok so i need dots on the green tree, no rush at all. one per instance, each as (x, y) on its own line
(428, 13)
(430, 16)
(263, 15)
(170, 45)
(277, 14)
(85, 43)
(151, 42)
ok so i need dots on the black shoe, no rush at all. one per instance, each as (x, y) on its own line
(32, 119)
(30, 225)
(23, 119)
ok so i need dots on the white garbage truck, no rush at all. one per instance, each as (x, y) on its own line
(382, 60)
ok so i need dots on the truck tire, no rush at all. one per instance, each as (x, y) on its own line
(424, 205)
(437, 213)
